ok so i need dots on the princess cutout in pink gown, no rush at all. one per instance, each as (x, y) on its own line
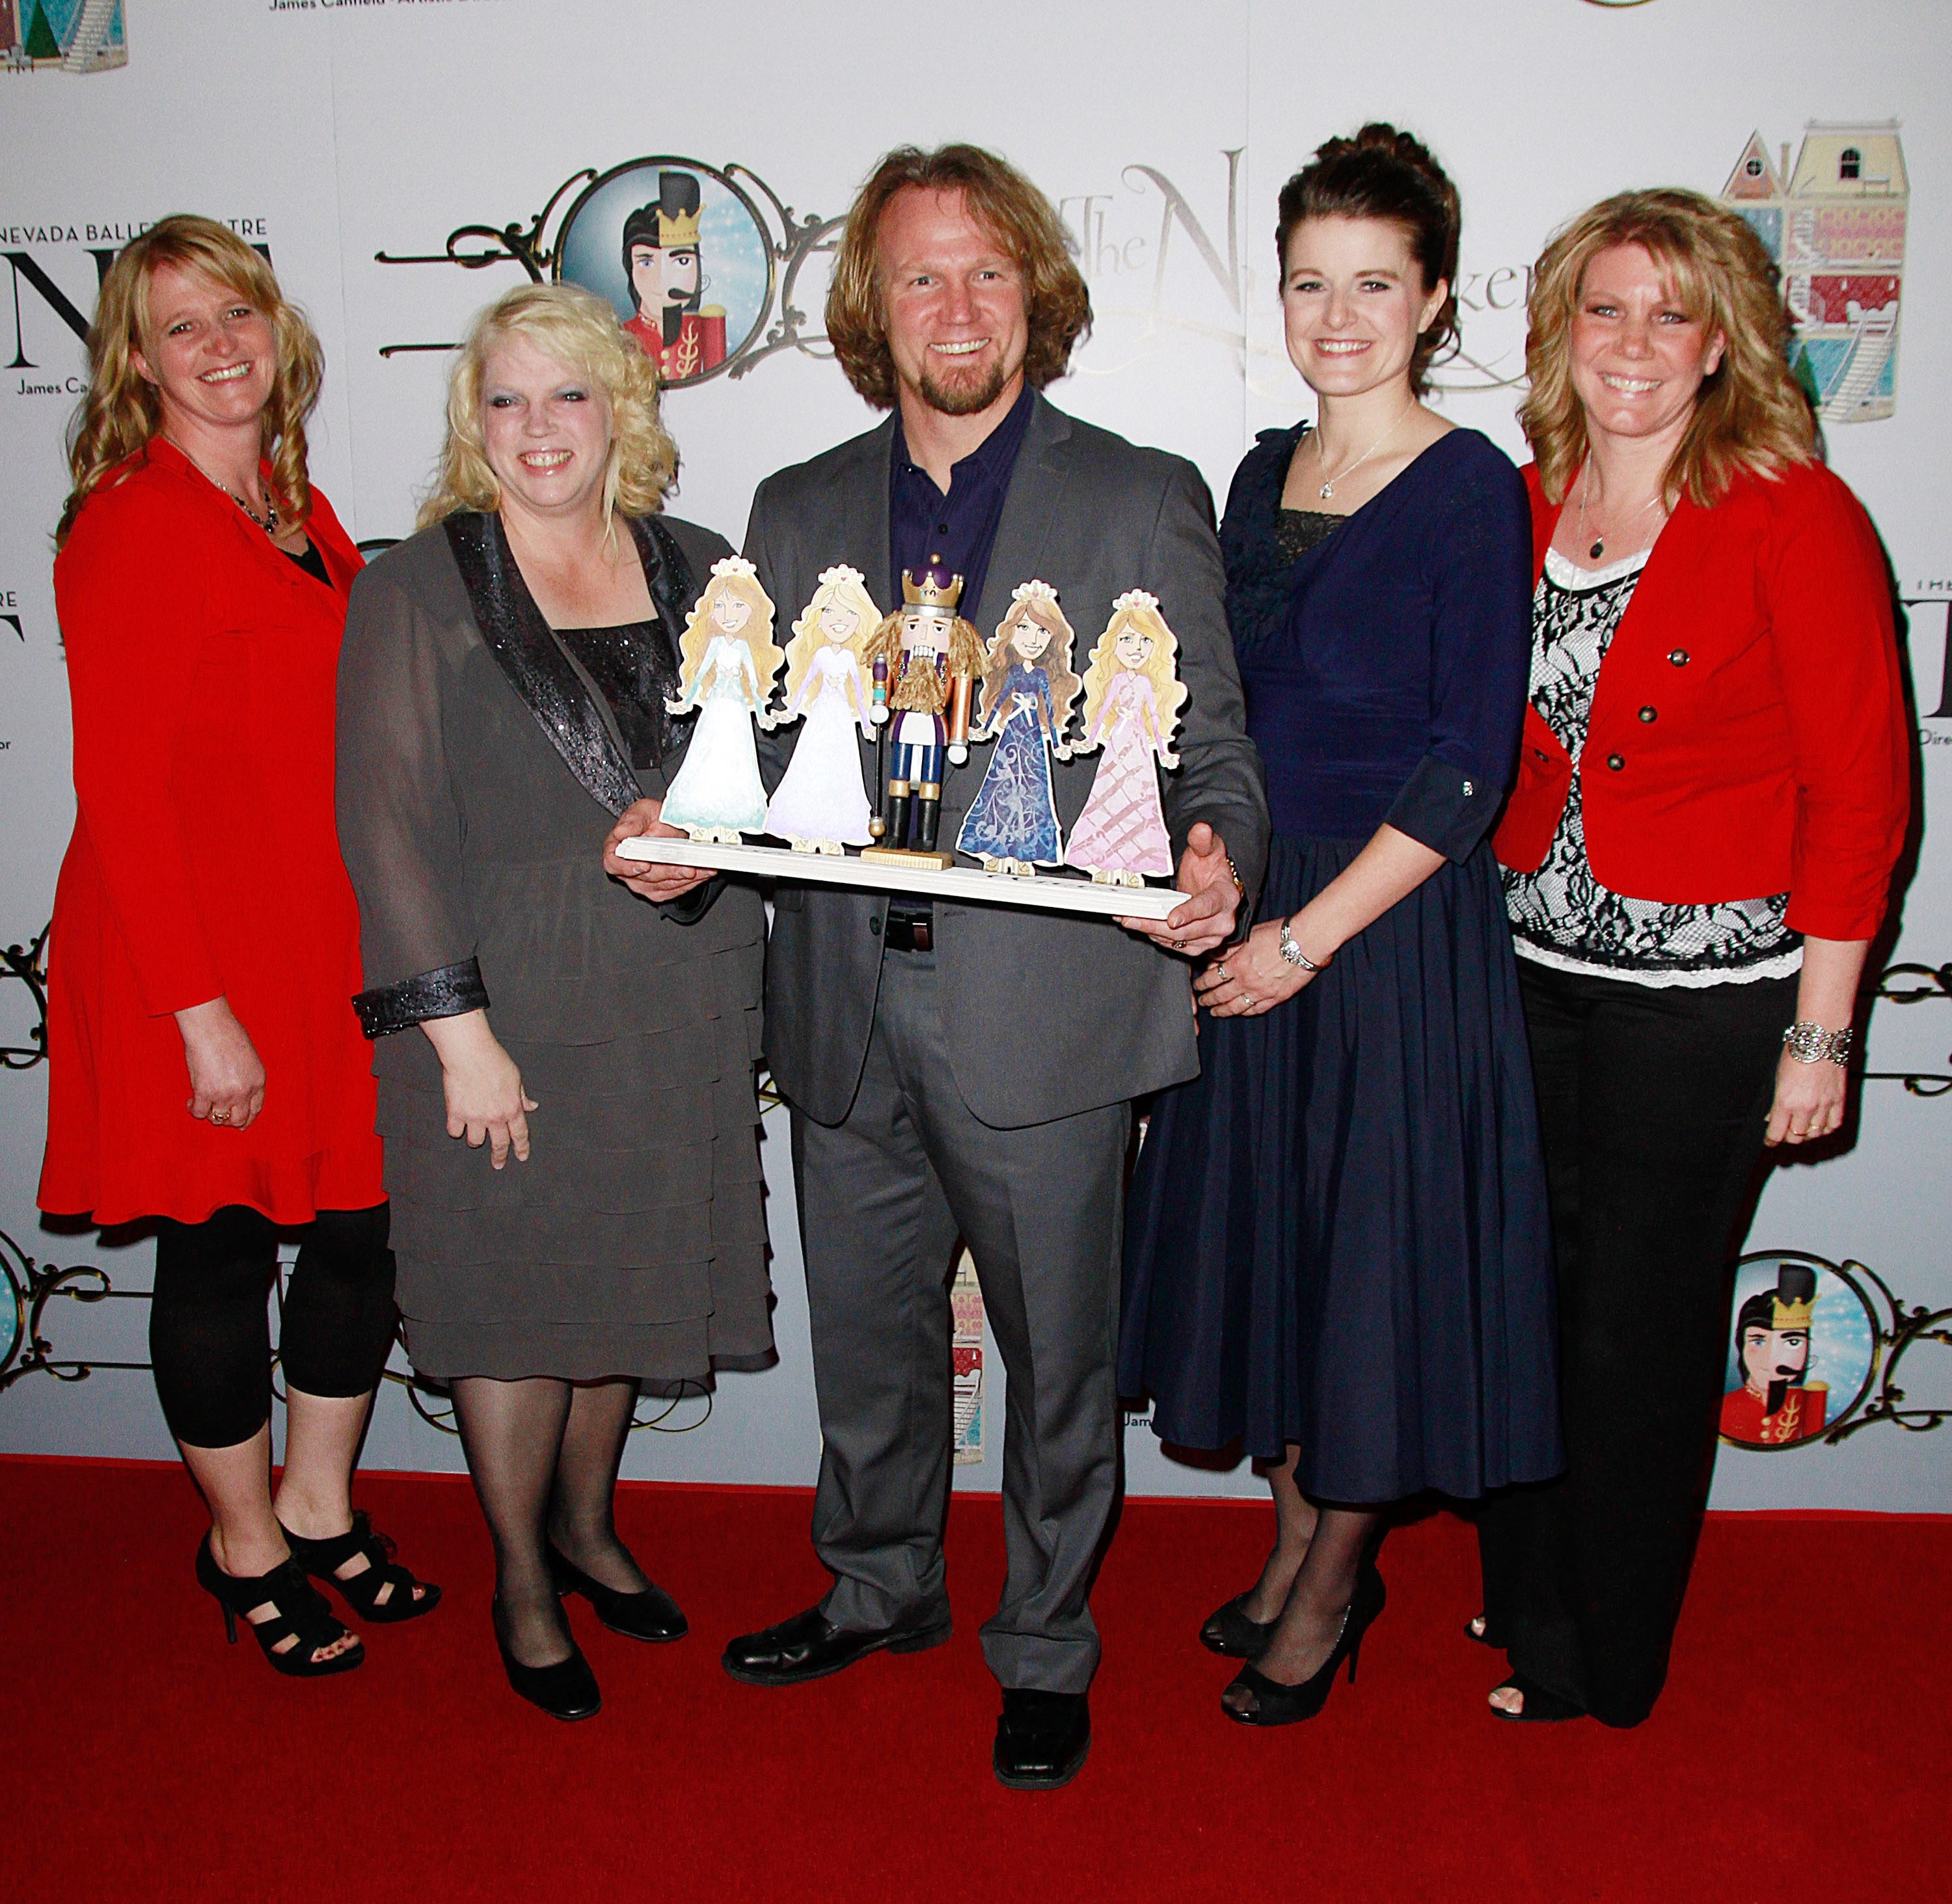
(1122, 828)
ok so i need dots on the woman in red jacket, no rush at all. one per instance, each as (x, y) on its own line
(206, 1068)
(1712, 788)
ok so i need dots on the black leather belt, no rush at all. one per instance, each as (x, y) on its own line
(910, 928)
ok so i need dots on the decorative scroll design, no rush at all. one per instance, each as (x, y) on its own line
(1915, 984)
(28, 963)
(790, 239)
(26, 1288)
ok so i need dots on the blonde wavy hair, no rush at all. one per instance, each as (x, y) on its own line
(1032, 602)
(843, 588)
(1140, 612)
(122, 409)
(1751, 416)
(732, 576)
(580, 332)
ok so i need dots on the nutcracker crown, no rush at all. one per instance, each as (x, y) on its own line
(931, 591)
(680, 233)
(1792, 1314)
(1794, 1298)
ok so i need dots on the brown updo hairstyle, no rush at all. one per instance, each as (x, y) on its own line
(1382, 173)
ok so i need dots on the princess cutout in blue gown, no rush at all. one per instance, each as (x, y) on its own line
(1014, 816)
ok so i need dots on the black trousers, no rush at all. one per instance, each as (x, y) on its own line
(1651, 1106)
(210, 1336)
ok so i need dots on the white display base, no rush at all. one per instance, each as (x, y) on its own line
(1044, 893)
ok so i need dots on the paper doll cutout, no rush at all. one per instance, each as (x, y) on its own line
(1133, 695)
(926, 660)
(727, 662)
(1028, 691)
(820, 806)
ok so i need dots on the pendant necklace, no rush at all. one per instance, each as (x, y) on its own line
(1327, 491)
(1599, 547)
(268, 521)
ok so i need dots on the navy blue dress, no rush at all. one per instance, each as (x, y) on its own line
(1336, 1235)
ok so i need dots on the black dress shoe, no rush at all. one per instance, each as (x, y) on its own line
(651, 1614)
(1043, 1739)
(810, 1645)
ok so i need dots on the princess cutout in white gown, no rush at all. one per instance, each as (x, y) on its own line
(821, 804)
(717, 793)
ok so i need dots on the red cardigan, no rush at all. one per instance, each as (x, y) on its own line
(202, 665)
(1747, 732)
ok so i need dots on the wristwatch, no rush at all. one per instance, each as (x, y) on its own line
(1294, 954)
(1809, 1043)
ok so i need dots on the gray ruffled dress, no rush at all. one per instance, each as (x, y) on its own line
(481, 759)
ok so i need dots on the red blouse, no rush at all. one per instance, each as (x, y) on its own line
(1747, 733)
(201, 665)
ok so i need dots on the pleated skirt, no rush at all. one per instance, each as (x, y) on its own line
(1336, 1237)
(632, 1241)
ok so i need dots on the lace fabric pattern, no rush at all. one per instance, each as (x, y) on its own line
(1561, 915)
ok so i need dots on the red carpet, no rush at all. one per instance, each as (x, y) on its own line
(1799, 1751)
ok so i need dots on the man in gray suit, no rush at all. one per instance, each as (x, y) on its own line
(968, 1070)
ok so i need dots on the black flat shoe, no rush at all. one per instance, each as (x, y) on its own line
(1276, 1704)
(1043, 1739)
(299, 1611)
(1229, 1631)
(365, 1592)
(1541, 1707)
(566, 1690)
(651, 1614)
(809, 1646)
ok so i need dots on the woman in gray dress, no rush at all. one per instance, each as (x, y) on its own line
(501, 695)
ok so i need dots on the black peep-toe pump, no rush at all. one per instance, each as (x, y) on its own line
(301, 1612)
(362, 1591)
(1276, 1704)
(1229, 1631)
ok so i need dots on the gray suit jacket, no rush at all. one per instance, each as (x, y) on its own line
(1046, 1014)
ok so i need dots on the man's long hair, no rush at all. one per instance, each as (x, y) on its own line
(999, 198)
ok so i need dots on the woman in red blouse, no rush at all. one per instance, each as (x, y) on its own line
(1712, 789)
(206, 1069)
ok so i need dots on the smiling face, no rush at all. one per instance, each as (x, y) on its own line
(838, 622)
(1032, 638)
(1133, 647)
(211, 354)
(954, 302)
(1353, 304)
(731, 612)
(661, 278)
(545, 429)
(1638, 357)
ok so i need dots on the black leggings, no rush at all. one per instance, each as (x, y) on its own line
(1651, 1104)
(210, 1337)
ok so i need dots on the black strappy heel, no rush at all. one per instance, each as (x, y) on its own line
(1276, 1704)
(322, 1560)
(302, 1612)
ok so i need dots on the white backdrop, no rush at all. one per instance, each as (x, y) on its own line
(333, 132)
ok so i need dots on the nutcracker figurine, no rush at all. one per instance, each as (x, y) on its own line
(664, 269)
(926, 660)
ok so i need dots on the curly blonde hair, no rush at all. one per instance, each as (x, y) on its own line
(123, 408)
(1140, 613)
(843, 588)
(1749, 415)
(580, 331)
(733, 576)
(998, 197)
(1030, 604)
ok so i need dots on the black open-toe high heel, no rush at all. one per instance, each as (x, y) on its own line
(1228, 1631)
(1488, 1637)
(567, 1689)
(651, 1614)
(1276, 1704)
(1541, 1707)
(322, 1560)
(302, 1612)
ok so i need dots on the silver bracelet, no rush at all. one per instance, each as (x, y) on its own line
(1809, 1043)
(1294, 954)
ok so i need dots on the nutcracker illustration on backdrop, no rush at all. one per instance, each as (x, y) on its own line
(820, 805)
(1777, 1402)
(728, 662)
(1028, 691)
(1133, 695)
(926, 660)
(665, 271)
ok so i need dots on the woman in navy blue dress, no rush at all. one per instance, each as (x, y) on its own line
(1337, 1251)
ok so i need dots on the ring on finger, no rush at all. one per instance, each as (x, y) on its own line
(218, 1117)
